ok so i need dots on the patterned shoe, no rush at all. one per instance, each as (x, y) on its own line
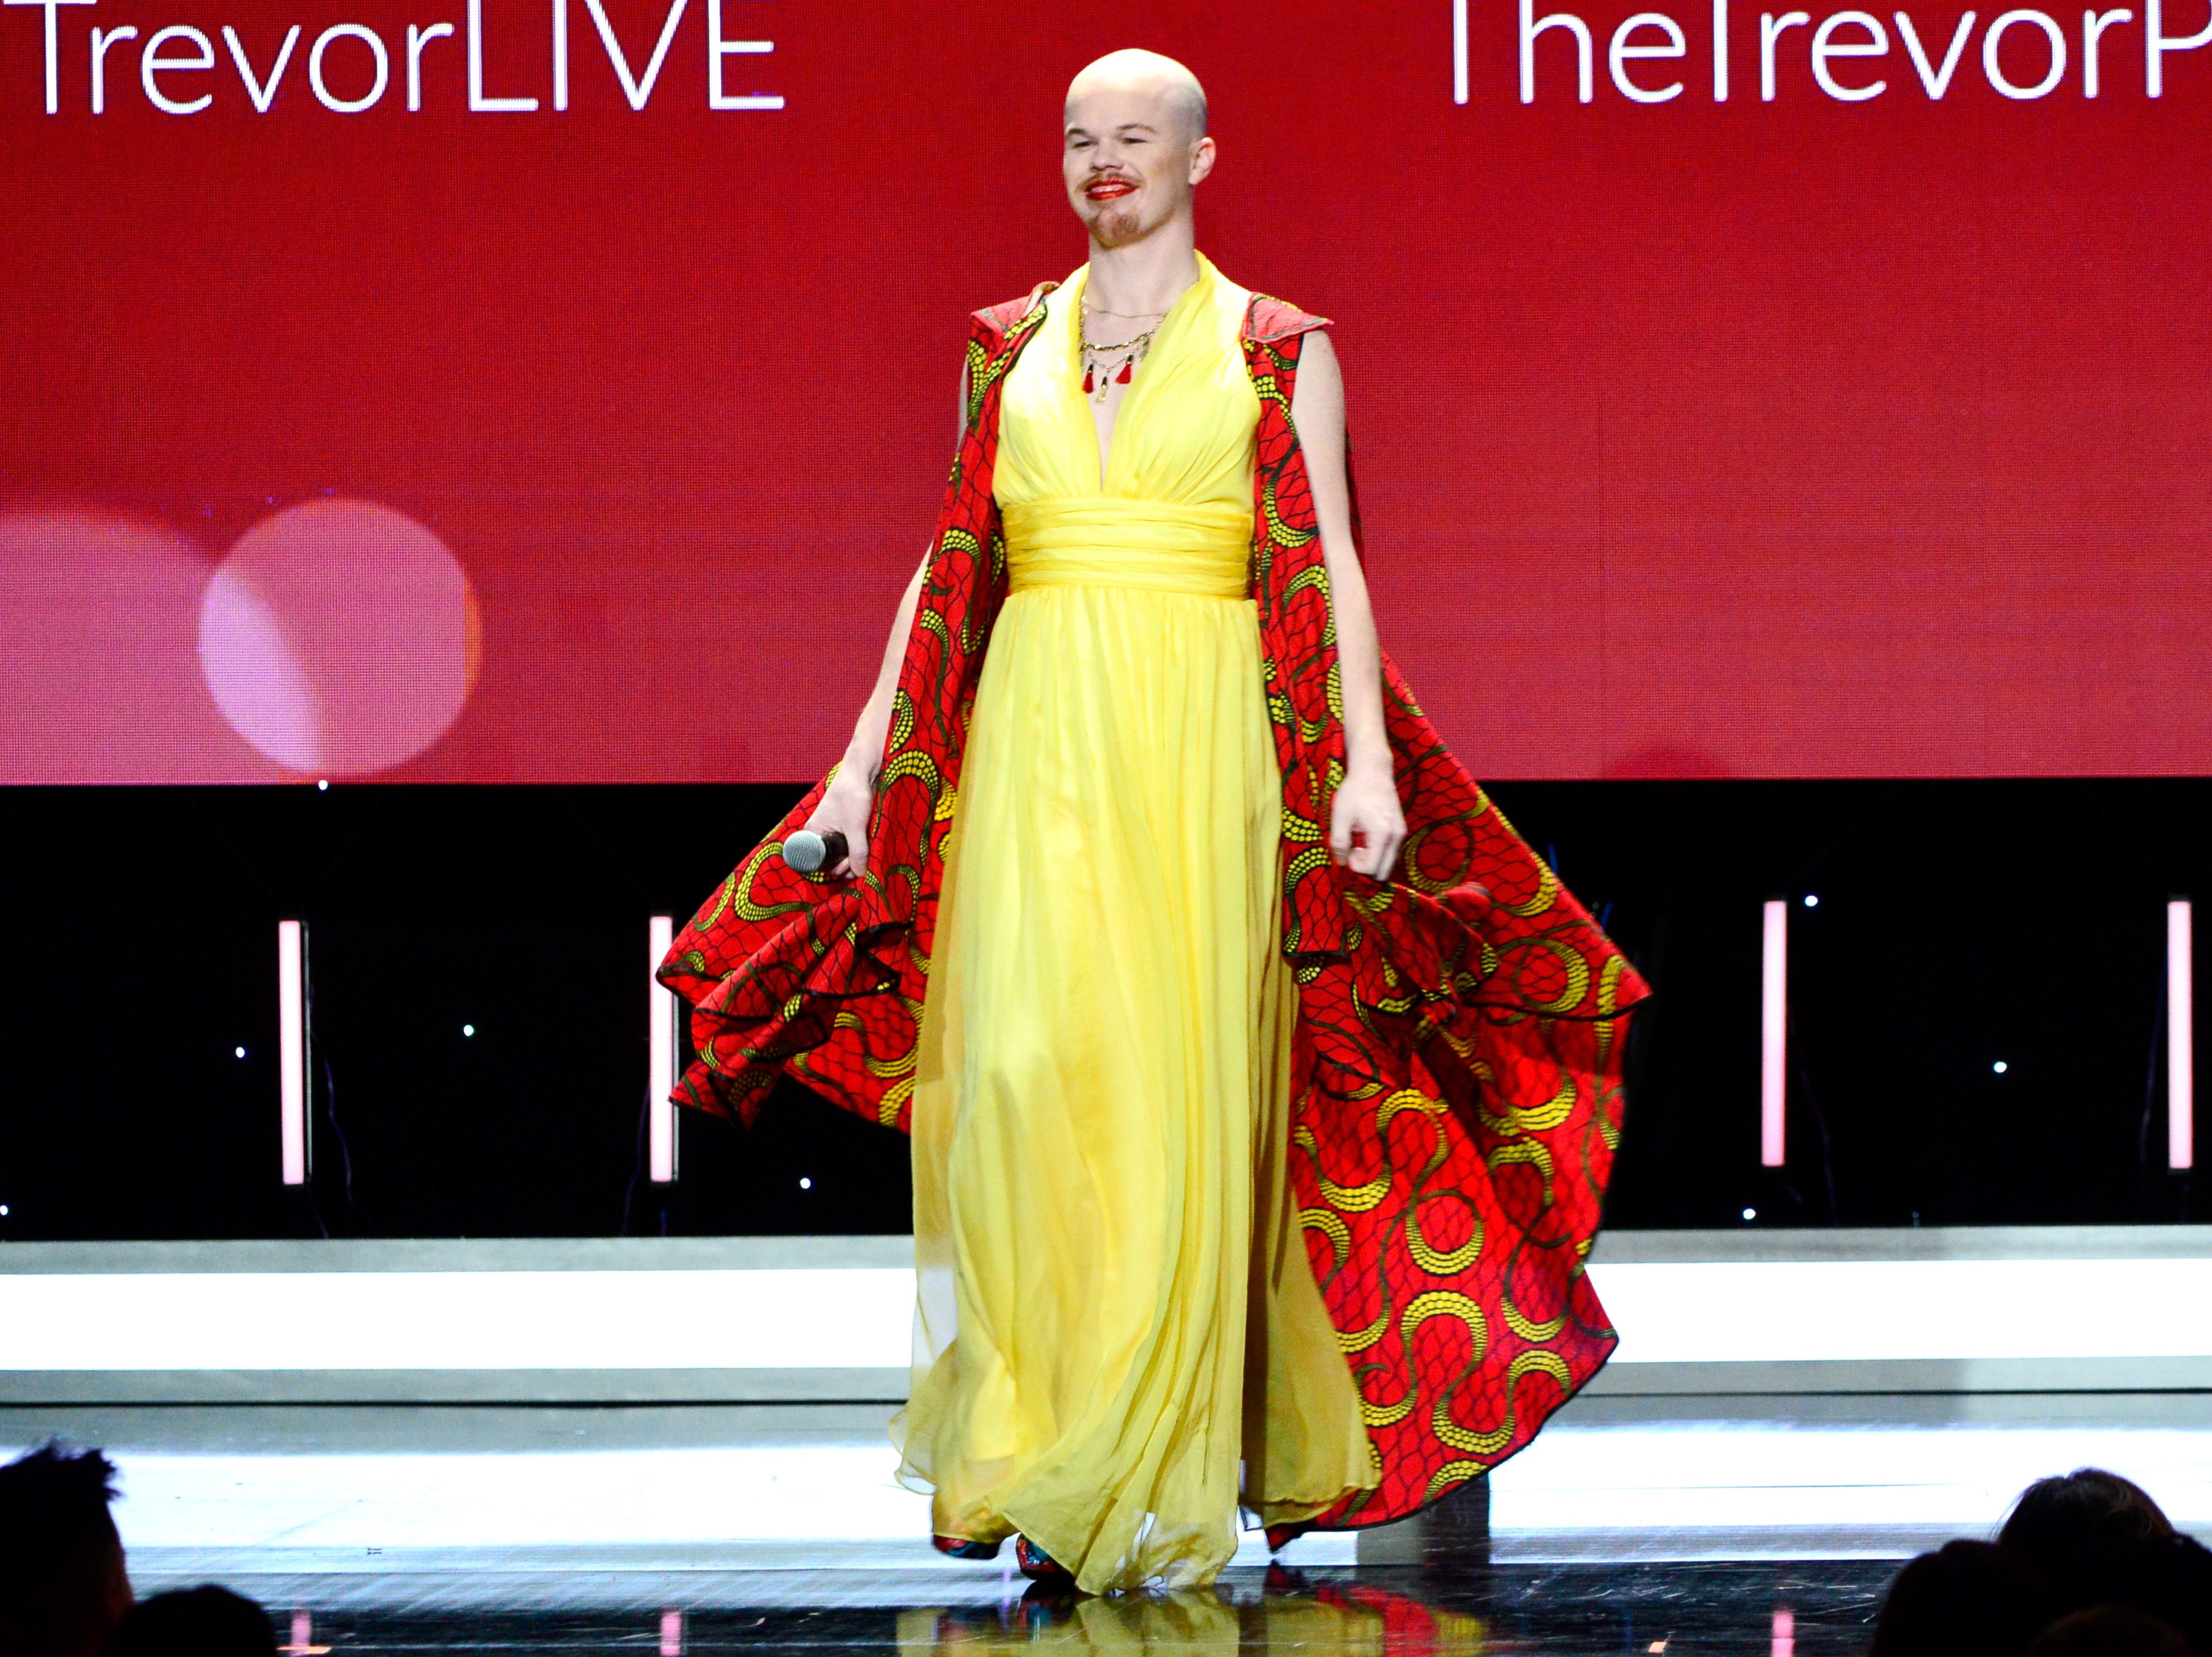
(1281, 1536)
(1039, 1565)
(959, 1547)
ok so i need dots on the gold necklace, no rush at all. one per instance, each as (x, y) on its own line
(1111, 365)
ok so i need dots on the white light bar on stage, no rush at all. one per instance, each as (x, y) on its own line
(661, 1132)
(779, 1318)
(292, 1048)
(2180, 1046)
(1773, 1027)
(800, 1317)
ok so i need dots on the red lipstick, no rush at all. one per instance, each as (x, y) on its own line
(1107, 190)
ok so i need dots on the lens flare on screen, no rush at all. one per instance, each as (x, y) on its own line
(99, 679)
(340, 636)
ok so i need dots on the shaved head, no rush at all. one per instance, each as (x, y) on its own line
(1133, 146)
(1146, 73)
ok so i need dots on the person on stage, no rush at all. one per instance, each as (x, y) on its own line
(1262, 1084)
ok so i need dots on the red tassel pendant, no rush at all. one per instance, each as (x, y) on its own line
(1086, 382)
(1123, 378)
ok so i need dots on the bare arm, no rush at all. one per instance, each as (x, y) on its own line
(1367, 824)
(847, 802)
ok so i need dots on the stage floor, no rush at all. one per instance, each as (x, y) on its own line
(1633, 1525)
(1819, 1609)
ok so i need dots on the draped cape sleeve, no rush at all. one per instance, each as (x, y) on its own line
(824, 980)
(1456, 1096)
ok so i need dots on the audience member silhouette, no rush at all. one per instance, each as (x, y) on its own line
(2098, 1540)
(2111, 1632)
(202, 1622)
(2086, 1566)
(1966, 1599)
(63, 1585)
(2078, 1531)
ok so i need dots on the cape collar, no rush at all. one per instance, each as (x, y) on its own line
(1267, 321)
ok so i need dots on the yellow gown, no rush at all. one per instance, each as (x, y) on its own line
(1116, 1309)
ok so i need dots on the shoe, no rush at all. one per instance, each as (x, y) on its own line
(1039, 1565)
(959, 1547)
(1281, 1536)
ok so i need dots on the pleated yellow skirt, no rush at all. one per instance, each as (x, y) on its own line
(1115, 1306)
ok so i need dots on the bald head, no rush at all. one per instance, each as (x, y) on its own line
(1135, 148)
(1148, 76)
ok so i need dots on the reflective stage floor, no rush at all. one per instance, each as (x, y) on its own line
(1773, 1611)
(1633, 1525)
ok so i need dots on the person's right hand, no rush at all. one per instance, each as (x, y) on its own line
(844, 807)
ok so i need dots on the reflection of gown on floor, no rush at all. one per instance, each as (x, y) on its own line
(1331, 1623)
(1098, 1124)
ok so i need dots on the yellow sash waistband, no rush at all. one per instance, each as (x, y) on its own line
(1204, 551)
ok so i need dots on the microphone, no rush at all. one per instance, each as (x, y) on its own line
(806, 852)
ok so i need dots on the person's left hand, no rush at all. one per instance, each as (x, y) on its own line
(1366, 826)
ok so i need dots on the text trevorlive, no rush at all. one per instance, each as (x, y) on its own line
(350, 67)
(364, 67)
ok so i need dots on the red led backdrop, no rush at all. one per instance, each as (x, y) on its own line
(1827, 434)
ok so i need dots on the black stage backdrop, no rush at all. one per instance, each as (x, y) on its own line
(1959, 924)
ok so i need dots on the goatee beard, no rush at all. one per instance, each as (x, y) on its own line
(1114, 227)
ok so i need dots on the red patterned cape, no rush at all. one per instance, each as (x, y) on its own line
(1456, 1073)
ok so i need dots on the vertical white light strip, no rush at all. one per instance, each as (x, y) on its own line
(1773, 1015)
(1785, 1643)
(559, 54)
(292, 1048)
(671, 1634)
(660, 1135)
(2180, 1046)
(1459, 51)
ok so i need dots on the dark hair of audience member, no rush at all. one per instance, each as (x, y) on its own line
(2098, 1540)
(2171, 1576)
(2078, 1531)
(202, 1622)
(2110, 1631)
(1966, 1599)
(62, 1581)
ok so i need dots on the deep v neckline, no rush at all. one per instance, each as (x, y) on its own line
(1104, 447)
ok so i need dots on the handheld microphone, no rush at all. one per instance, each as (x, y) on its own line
(806, 852)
